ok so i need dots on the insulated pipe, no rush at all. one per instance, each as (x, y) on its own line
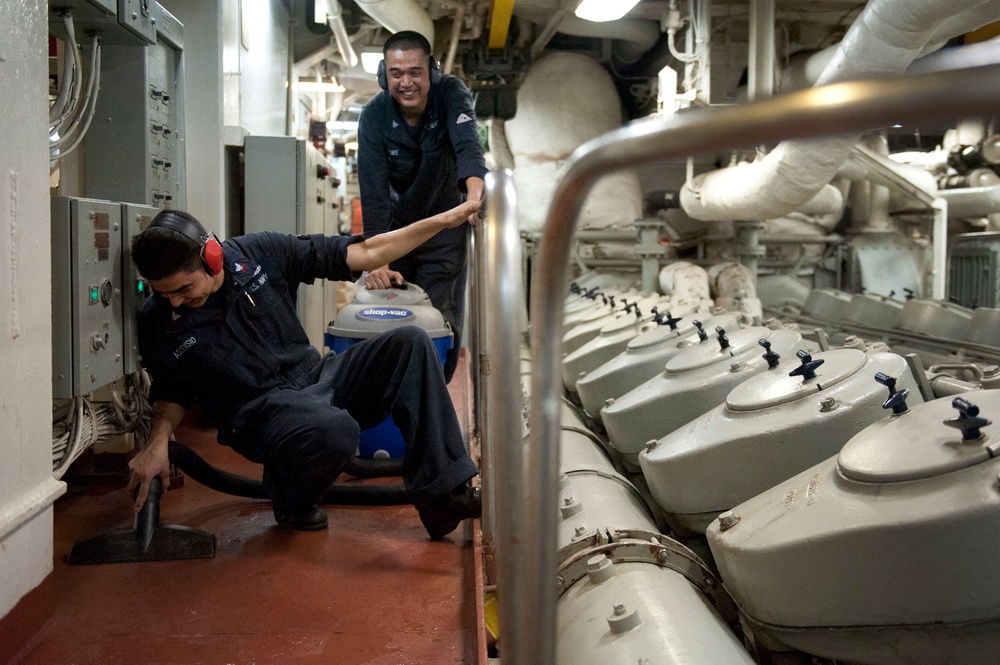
(971, 201)
(397, 15)
(844, 107)
(885, 38)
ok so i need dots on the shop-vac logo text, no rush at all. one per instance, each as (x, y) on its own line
(385, 314)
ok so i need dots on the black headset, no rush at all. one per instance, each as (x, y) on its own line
(390, 44)
(189, 227)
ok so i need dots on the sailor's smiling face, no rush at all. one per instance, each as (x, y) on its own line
(409, 79)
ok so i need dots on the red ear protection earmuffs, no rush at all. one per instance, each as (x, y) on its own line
(435, 71)
(188, 226)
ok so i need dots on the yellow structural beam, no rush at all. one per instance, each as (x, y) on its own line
(500, 22)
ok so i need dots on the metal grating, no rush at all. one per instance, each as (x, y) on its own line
(972, 277)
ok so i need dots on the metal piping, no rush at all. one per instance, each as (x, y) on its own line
(835, 108)
(456, 32)
(340, 35)
(885, 39)
(760, 81)
(971, 201)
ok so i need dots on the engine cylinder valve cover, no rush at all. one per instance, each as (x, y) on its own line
(886, 553)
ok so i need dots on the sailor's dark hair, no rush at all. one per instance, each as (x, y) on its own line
(407, 40)
(163, 250)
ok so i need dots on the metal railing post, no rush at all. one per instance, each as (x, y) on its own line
(501, 293)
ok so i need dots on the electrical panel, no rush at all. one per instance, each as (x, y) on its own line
(134, 148)
(135, 289)
(117, 21)
(86, 295)
(290, 187)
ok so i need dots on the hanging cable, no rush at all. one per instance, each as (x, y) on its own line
(89, 107)
(71, 54)
(87, 424)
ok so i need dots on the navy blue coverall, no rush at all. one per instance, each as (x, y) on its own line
(404, 179)
(245, 359)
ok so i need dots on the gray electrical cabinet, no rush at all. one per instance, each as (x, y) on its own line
(289, 187)
(134, 147)
(135, 290)
(86, 295)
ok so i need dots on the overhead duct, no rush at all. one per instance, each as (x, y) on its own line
(398, 15)
(886, 38)
(633, 36)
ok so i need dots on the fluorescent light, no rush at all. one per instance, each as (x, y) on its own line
(370, 60)
(604, 10)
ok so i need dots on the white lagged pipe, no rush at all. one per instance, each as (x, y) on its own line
(885, 39)
(398, 15)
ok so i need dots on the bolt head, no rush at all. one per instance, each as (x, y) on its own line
(727, 520)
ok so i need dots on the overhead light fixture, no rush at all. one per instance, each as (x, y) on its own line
(370, 59)
(604, 10)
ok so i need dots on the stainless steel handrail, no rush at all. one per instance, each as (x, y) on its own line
(831, 109)
(500, 404)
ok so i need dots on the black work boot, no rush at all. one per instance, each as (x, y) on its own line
(442, 515)
(308, 518)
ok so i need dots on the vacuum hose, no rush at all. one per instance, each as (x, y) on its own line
(193, 465)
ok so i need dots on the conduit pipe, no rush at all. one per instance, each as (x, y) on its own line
(456, 32)
(845, 107)
(886, 38)
(335, 19)
(397, 15)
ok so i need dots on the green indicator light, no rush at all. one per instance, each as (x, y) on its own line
(141, 287)
(95, 293)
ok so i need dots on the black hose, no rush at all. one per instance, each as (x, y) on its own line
(361, 467)
(201, 471)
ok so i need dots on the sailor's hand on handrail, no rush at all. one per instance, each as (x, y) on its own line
(464, 212)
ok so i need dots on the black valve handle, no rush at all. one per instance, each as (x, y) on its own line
(968, 420)
(723, 340)
(770, 356)
(702, 335)
(897, 398)
(807, 370)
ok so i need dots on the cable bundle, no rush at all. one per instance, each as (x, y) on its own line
(86, 423)
(70, 115)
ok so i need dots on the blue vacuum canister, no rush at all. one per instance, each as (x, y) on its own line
(372, 313)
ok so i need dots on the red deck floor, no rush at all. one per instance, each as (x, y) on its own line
(371, 589)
